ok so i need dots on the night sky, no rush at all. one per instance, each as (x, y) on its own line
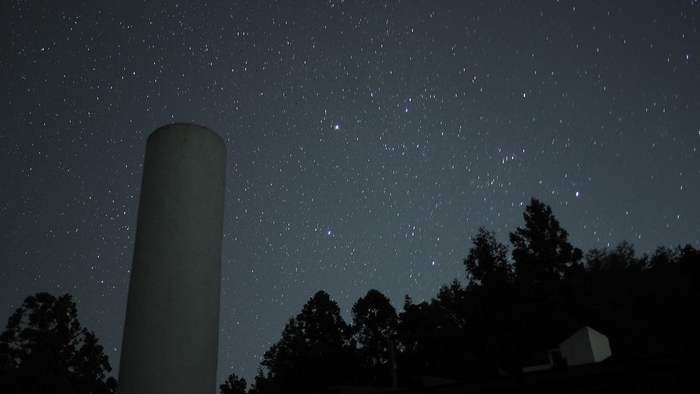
(367, 141)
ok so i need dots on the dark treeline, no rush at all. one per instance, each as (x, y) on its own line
(508, 315)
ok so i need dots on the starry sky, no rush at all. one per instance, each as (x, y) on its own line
(367, 141)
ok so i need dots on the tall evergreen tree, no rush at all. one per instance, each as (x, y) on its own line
(541, 250)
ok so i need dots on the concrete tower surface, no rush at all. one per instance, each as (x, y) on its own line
(170, 342)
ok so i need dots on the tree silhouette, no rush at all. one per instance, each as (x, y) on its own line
(233, 385)
(315, 352)
(45, 349)
(437, 337)
(542, 252)
(374, 324)
(487, 262)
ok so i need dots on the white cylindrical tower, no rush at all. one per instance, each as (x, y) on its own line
(170, 342)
